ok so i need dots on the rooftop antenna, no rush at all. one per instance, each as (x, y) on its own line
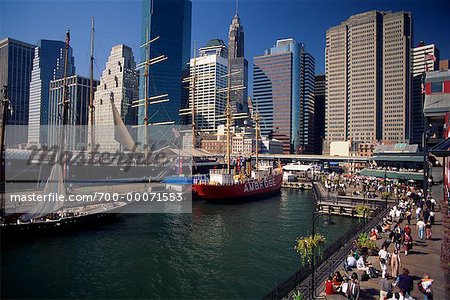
(237, 6)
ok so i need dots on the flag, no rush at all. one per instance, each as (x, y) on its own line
(430, 56)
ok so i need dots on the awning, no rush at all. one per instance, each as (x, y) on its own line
(399, 158)
(392, 174)
(298, 168)
(442, 149)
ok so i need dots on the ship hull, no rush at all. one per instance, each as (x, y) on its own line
(63, 225)
(243, 191)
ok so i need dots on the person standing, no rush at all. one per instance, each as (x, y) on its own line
(395, 263)
(353, 291)
(421, 228)
(384, 257)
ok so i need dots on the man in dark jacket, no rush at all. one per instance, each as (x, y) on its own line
(405, 282)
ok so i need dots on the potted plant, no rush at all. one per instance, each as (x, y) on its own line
(364, 241)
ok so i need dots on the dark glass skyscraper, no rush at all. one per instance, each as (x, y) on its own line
(171, 21)
(283, 93)
(16, 61)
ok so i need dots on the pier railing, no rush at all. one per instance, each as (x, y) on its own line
(331, 258)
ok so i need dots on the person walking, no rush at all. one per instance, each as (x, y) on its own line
(432, 213)
(421, 228)
(408, 216)
(428, 232)
(407, 243)
(425, 287)
(384, 257)
(404, 282)
(418, 211)
(385, 288)
(395, 263)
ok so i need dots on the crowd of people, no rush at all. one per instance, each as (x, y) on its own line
(412, 209)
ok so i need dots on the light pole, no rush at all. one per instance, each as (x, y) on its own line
(313, 258)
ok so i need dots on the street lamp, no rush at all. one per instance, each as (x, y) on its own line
(313, 259)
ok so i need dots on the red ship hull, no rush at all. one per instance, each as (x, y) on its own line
(249, 189)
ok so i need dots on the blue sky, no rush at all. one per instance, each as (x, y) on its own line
(264, 22)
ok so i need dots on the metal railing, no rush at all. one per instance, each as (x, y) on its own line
(333, 255)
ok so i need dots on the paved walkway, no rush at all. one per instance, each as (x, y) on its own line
(424, 258)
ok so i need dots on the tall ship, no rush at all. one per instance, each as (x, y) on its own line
(52, 215)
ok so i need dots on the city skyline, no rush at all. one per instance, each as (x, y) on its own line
(311, 20)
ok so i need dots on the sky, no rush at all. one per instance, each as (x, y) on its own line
(264, 21)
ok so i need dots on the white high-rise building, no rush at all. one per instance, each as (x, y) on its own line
(119, 83)
(211, 80)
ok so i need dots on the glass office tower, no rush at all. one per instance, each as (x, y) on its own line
(171, 21)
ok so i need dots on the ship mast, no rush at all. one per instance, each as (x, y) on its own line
(146, 101)
(65, 101)
(257, 133)
(91, 95)
(228, 117)
(194, 138)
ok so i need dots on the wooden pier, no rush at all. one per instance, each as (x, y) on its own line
(297, 185)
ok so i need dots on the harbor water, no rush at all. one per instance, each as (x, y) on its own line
(218, 251)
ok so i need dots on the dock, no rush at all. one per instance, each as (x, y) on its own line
(297, 185)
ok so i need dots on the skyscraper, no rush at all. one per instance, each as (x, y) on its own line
(48, 64)
(16, 60)
(238, 66)
(120, 81)
(171, 21)
(210, 70)
(420, 64)
(368, 84)
(78, 92)
(306, 131)
(319, 112)
(283, 93)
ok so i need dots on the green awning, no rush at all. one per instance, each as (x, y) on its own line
(392, 174)
(398, 158)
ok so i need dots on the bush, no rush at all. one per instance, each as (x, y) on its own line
(364, 241)
(306, 246)
(362, 210)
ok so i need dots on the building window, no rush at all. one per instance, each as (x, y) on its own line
(436, 87)
(109, 71)
(101, 102)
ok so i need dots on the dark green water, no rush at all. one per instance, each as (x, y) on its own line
(218, 251)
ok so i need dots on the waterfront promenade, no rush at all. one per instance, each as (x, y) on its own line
(424, 258)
